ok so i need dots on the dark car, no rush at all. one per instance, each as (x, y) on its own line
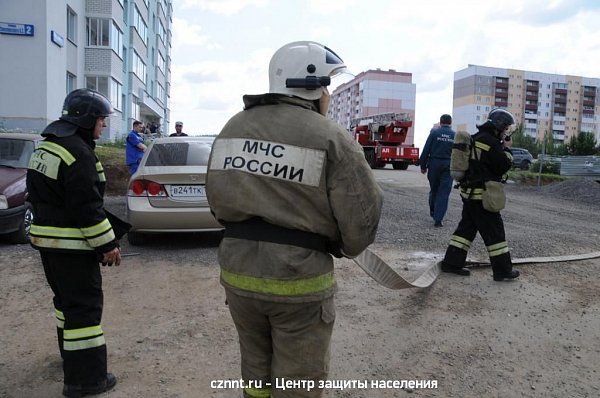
(521, 158)
(16, 215)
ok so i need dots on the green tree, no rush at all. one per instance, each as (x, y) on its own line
(522, 140)
(583, 144)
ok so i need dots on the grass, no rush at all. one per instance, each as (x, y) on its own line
(529, 177)
(111, 155)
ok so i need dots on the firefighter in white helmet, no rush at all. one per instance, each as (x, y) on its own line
(291, 188)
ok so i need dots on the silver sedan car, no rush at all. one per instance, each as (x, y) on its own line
(167, 193)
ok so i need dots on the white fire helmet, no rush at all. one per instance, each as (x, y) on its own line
(303, 69)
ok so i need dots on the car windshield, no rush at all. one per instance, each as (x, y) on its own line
(15, 153)
(192, 153)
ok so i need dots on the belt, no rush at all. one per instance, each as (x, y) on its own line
(257, 229)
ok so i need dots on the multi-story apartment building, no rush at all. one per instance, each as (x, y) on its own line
(543, 103)
(373, 92)
(121, 48)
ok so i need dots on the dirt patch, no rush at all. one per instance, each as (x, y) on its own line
(117, 179)
(169, 332)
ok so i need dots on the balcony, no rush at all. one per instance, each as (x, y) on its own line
(560, 100)
(589, 102)
(502, 95)
(531, 97)
(589, 90)
(531, 107)
(560, 109)
(560, 91)
(501, 85)
(587, 113)
(558, 136)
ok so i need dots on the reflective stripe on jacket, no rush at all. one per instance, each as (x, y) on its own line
(65, 182)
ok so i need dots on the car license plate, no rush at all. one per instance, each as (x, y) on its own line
(187, 191)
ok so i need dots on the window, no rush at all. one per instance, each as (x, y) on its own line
(160, 92)
(116, 90)
(139, 67)
(97, 32)
(162, 64)
(140, 25)
(98, 83)
(135, 108)
(71, 82)
(71, 25)
(162, 33)
(116, 40)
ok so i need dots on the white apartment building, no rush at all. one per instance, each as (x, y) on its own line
(373, 92)
(563, 105)
(121, 48)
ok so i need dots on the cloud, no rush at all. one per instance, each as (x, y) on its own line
(210, 92)
(201, 77)
(212, 105)
(187, 34)
(330, 6)
(213, 62)
(543, 12)
(223, 7)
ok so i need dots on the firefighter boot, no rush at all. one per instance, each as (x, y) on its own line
(508, 276)
(76, 391)
(455, 270)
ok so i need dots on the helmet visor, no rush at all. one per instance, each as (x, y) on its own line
(339, 77)
(331, 57)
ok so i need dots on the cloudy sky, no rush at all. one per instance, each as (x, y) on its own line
(221, 48)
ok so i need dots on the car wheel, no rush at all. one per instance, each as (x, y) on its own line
(22, 235)
(135, 238)
(525, 165)
(370, 156)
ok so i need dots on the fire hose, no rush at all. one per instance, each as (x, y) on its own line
(385, 275)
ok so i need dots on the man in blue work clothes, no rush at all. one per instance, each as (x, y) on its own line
(135, 148)
(435, 161)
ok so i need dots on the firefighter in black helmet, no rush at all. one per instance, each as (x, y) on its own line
(483, 198)
(73, 233)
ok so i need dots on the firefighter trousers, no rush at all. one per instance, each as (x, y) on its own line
(440, 184)
(491, 228)
(76, 282)
(282, 341)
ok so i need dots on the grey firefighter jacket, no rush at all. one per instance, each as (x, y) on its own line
(66, 184)
(281, 161)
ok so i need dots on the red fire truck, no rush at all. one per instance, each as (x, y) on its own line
(382, 137)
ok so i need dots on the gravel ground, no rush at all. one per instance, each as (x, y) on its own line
(169, 333)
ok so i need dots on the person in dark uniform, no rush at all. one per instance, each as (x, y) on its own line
(490, 159)
(435, 161)
(73, 233)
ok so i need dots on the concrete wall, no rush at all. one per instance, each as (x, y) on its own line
(23, 74)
